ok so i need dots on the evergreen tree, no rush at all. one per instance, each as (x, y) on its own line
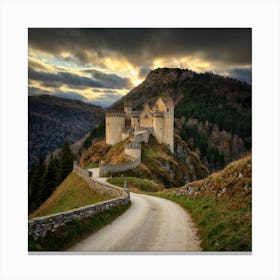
(50, 180)
(66, 158)
(35, 184)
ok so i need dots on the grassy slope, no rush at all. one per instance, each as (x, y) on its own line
(73, 192)
(224, 219)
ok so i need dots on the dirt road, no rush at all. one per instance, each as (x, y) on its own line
(151, 224)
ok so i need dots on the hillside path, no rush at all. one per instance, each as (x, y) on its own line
(151, 224)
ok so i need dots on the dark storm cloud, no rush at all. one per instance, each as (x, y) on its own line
(111, 80)
(98, 80)
(141, 45)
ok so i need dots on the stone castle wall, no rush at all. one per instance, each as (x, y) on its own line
(107, 169)
(38, 227)
(133, 150)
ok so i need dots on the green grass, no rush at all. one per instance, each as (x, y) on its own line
(222, 225)
(91, 165)
(75, 231)
(148, 153)
(72, 193)
(136, 183)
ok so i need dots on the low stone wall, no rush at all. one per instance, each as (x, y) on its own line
(98, 186)
(106, 169)
(38, 227)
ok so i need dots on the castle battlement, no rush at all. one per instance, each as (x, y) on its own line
(115, 114)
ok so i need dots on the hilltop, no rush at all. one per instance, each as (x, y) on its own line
(53, 120)
(157, 162)
(212, 112)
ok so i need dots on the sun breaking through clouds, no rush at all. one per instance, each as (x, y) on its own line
(101, 65)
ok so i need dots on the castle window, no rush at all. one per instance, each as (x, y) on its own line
(167, 110)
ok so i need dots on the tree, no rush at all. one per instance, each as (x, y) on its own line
(35, 183)
(50, 179)
(65, 158)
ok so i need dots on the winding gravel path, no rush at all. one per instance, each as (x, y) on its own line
(151, 224)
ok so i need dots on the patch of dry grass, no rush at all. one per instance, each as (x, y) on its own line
(72, 193)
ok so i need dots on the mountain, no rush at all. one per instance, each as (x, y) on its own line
(212, 113)
(53, 120)
(157, 162)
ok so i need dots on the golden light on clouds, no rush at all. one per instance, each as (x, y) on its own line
(90, 64)
(193, 63)
(39, 64)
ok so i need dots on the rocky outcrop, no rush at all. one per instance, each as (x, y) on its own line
(234, 181)
(190, 160)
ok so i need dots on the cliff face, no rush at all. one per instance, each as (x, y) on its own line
(212, 113)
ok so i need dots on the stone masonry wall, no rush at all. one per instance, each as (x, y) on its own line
(38, 227)
(106, 169)
(97, 186)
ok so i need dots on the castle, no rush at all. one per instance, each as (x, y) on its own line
(157, 119)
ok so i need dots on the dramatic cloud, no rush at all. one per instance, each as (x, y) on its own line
(120, 58)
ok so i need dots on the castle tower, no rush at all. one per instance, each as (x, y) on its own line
(166, 106)
(115, 123)
(127, 109)
(158, 126)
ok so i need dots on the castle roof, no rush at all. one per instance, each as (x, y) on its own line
(165, 100)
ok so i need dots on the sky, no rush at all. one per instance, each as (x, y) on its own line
(100, 65)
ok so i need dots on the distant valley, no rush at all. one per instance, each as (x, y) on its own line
(53, 120)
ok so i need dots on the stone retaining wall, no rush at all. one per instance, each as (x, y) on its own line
(38, 227)
(99, 187)
(106, 169)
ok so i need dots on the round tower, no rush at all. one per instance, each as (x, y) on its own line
(115, 123)
(158, 126)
